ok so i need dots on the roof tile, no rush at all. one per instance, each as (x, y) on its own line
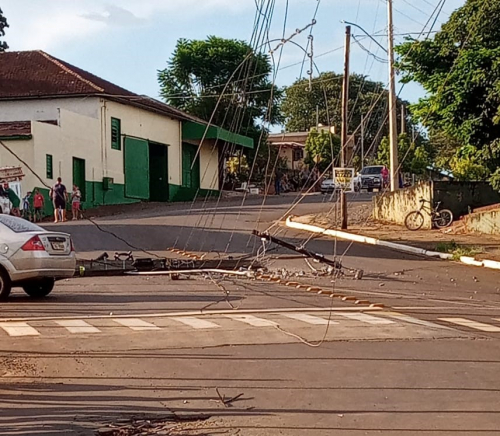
(15, 128)
(32, 74)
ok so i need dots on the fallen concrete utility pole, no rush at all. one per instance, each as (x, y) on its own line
(124, 263)
(358, 274)
(247, 273)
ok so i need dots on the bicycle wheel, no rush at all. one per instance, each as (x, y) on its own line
(443, 218)
(414, 220)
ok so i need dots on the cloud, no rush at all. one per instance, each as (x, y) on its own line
(50, 24)
(115, 16)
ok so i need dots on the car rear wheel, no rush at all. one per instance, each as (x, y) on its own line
(39, 289)
(5, 284)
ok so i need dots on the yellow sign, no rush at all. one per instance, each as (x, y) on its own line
(344, 178)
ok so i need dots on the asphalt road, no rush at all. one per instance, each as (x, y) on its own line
(104, 349)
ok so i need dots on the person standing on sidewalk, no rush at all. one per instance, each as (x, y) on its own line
(76, 197)
(385, 177)
(27, 206)
(13, 198)
(59, 196)
(277, 182)
(38, 204)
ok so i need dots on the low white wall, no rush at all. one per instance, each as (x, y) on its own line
(394, 206)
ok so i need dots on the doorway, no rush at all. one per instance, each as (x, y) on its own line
(158, 172)
(79, 175)
(190, 167)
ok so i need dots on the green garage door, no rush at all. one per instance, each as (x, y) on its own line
(190, 166)
(136, 156)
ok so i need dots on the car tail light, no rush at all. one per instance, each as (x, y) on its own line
(72, 245)
(34, 244)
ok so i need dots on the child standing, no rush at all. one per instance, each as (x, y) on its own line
(38, 203)
(76, 196)
(27, 206)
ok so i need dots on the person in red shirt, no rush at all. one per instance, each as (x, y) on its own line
(38, 203)
(385, 177)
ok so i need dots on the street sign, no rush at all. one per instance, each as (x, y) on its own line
(11, 174)
(344, 178)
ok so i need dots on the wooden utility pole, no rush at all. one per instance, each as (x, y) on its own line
(345, 122)
(393, 128)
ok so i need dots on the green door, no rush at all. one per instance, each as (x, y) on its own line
(158, 172)
(190, 172)
(78, 176)
(136, 158)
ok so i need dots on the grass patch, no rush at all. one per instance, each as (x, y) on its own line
(451, 247)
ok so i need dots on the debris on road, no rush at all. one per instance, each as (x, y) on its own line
(173, 425)
(334, 266)
(227, 402)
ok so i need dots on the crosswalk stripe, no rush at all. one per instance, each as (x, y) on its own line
(197, 323)
(78, 326)
(252, 320)
(363, 317)
(314, 320)
(472, 324)
(19, 329)
(136, 324)
(412, 320)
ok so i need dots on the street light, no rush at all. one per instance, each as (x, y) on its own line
(366, 33)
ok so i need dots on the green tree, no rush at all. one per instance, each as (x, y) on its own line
(3, 26)
(302, 108)
(460, 70)
(444, 148)
(413, 156)
(223, 78)
(319, 147)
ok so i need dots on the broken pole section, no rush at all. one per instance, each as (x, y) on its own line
(319, 257)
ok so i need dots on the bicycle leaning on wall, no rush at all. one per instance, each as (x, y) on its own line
(440, 218)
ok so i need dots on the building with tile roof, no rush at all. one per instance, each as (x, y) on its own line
(117, 146)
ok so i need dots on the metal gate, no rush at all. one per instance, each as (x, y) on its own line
(79, 176)
(136, 156)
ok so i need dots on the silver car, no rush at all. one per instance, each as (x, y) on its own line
(328, 186)
(32, 258)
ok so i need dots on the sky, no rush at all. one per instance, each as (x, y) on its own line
(128, 41)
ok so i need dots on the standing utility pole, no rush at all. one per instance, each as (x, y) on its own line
(345, 121)
(362, 141)
(393, 128)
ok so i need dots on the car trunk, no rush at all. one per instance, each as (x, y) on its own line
(56, 243)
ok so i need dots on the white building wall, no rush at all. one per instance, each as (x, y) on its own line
(84, 131)
(209, 166)
(76, 136)
(24, 149)
(47, 109)
(142, 124)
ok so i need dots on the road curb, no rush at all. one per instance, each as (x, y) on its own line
(320, 291)
(491, 264)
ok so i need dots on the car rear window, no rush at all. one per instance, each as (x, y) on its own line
(18, 225)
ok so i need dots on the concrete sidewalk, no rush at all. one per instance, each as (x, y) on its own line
(482, 246)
